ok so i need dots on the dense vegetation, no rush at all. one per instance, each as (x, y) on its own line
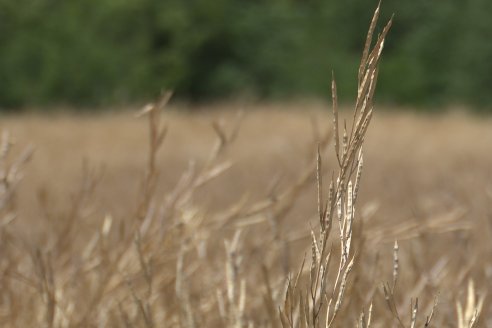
(103, 52)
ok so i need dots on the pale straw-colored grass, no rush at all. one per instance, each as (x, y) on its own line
(164, 258)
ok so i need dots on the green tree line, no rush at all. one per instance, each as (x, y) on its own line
(100, 52)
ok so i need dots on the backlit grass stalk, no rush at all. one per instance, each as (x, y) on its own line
(322, 301)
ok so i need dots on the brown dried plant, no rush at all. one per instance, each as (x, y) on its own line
(322, 301)
(171, 261)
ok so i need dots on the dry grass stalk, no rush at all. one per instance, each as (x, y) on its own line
(468, 317)
(320, 302)
(163, 263)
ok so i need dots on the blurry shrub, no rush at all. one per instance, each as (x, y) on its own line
(116, 51)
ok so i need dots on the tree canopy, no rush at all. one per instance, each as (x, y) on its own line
(99, 52)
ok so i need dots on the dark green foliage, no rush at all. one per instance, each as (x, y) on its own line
(88, 52)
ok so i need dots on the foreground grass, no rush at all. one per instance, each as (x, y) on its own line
(424, 177)
(255, 231)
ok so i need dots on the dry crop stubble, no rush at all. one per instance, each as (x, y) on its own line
(197, 251)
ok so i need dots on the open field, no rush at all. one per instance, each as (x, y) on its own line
(74, 254)
(277, 216)
(430, 161)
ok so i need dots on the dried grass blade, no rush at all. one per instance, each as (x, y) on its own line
(367, 45)
(319, 179)
(334, 98)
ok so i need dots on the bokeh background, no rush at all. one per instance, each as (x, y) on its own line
(95, 233)
(92, 54)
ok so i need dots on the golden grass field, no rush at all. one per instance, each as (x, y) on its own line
(414, 162)
(426, 183)
(282, 216)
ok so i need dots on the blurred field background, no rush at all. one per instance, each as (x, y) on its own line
(411, 158)
(116, 52)
(96, 232)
